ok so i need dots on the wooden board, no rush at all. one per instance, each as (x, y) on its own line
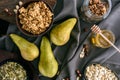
(10, 5)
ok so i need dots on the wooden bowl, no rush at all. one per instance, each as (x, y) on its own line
(19, 25)
(6, 56)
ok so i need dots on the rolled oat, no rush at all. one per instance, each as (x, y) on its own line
(98, 72)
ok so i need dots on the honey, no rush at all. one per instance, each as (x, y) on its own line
(99, 41)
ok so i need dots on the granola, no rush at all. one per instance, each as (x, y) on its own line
(35, 18)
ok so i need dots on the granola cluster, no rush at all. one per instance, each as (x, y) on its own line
(35, 18)
(98, 7)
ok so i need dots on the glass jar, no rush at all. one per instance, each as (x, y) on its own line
(95, 10)
(99, 41)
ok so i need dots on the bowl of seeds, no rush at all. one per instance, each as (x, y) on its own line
(34, 18)
(96, 71)
(12, 70)
(13, 67)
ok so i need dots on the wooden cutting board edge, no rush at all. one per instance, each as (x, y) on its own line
(10, 5)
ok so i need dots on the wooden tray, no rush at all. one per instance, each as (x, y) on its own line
(11, 4)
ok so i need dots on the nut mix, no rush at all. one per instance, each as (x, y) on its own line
(36, 18)
(98, 72)
(98, 7)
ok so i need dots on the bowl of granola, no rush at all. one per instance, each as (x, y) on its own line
(34, 18)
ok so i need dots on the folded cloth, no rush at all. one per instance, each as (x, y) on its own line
(109, 56)
(68, 55)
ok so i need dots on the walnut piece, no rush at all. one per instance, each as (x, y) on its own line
(98, 7)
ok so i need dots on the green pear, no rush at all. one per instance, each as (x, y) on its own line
(60, 34)
(48, 65)
(29, 51)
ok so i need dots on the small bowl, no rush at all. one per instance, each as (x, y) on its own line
(103, 65)
(87, 15)
(6, 56)
(28, 73)
(19, 25)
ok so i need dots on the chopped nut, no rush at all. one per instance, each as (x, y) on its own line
(15, 11)
(86, 46)
(17, 7)
(20, 3)
(84, 51)
(95, 1)
(78, 73)
(98, 7)
(82, 54)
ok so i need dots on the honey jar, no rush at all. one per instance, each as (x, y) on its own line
(99, 41)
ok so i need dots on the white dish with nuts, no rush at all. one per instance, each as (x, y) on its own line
(99, 72)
